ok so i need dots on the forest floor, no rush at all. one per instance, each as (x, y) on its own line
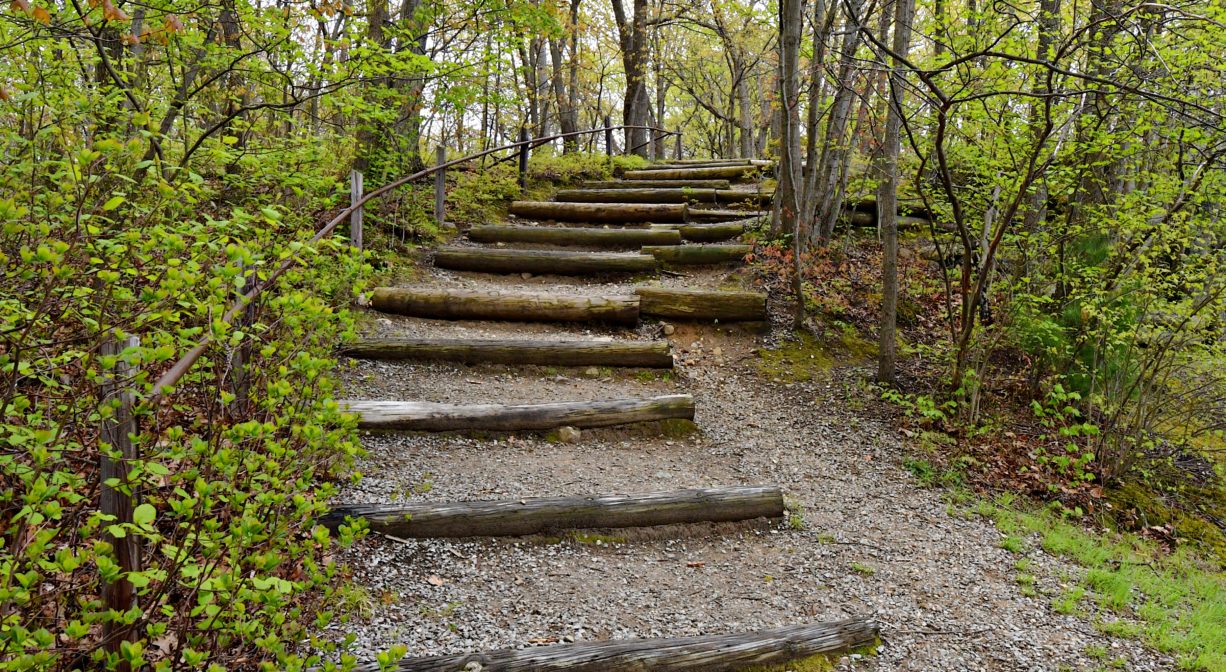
(865, 538)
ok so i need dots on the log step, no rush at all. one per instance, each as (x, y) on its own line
(706, 233)
(557, 235)
(604, 213)
(693, 173)
(705, 653)
(698, 255)
(691, 163)
(716, 215)
(535, 515)
(452, 304)
(692, 304)
(542, 262)
(646, 354)
(684, 195)
(643, 184)
(424, 416)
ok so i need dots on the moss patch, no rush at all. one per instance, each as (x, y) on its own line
(807, 357)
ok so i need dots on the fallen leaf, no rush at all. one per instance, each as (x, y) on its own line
(435, 580)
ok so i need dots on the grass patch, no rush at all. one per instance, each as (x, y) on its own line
(862, 569)
(807, 357)
(1177, 600)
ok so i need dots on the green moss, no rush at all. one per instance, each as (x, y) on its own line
(818, 663)
(596, 539)
(677, 428)
(807, 357)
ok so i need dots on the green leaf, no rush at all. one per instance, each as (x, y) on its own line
(114, 202)
(144, 514)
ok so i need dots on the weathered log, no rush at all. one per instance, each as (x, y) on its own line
(710, 233)
(708, 163)
(556, 235)
(542, 262)
(682, 195)
(705, 653)
(645, 184)
(909, 207)
(701, 215)
(534, 515)
(752, 198)
(431, 417)
(698, 255)
(600, 212)
(862, 219)
(693, 304)
(699, 173)
(514, 306)
(647, 354)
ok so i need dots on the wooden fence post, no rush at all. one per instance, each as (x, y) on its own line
(608, 136)
(440, 186)
(523, 157)
(355, 218)
(118, 500)
(678, 157)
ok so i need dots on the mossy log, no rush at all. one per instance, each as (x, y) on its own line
(534, 515)
(611, 213)
(557, 235)
(541, 262)
(693, 304)
(724, 215)
(455, 304)
(693, 173)
(698, 255)
(431, 417)
(705, 653)
(647, 184)
(647, 354)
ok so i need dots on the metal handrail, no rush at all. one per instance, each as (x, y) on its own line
(180, 368)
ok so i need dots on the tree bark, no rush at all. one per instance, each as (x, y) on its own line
(512, 306)
(431, 417)
(647, 354)
(536, 515)
(632, 37)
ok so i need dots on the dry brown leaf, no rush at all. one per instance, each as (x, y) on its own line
(435, 580)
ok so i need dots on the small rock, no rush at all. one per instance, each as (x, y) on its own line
(385, 322)
(569, 435)
(718, 352)
(669, 329)
(591, 372)
(525, 275)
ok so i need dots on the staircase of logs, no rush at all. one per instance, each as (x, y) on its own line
(683, 213)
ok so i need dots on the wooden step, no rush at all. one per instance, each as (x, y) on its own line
(542, 262)
(557, 235)
(704, 653)
(698, 255)
(685, 195)
(647, 354)
(610, 213)
(642, 184)
(431, 417)
(693, 173)
(707, 232)
(535, 515)
(455, 304)
(693, 304)
(724, 215)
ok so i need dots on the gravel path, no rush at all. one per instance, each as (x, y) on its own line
(872, 542)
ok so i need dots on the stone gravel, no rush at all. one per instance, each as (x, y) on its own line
(872, 543)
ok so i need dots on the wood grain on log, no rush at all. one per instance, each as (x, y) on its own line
(557, 235)
(432, 417)
(541, 262)
(649, 354)
(691, 304)
(706, 653)
(698, 255)
(600, 212)
(514, 306)
(644, 184)
(723, 215)
(693, 173)
(535, 515)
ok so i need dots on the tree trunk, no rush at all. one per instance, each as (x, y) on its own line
(648, 354)
(791, 23)
(431, 417)
(535, 515)
(632, 36)
(836, 152)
